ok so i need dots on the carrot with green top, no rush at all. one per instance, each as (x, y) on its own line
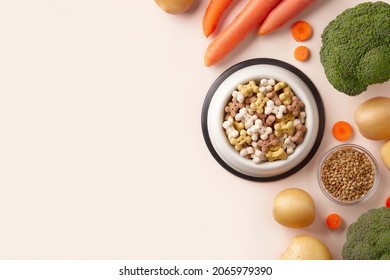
(213, 14)
(283, 13)
(246, 21)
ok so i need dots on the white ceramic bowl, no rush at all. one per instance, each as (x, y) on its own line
(213, 117)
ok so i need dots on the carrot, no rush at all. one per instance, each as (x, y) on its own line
(333, 221)
(251, 16)
(342, 130)
(301, 31)
(283, 13)
(388, 202)
(301, 53)
(212, 15)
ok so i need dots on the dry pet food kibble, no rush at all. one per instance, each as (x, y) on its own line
(265, 120)
(348, 174)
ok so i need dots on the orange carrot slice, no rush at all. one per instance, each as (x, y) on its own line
(301, 31)
(301, 53)
(246, 21)
(283, 13)
(213, 14)
(333, 221)
(342, 130)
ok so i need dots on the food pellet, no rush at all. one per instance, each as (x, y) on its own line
(264, 120)
(348, 174)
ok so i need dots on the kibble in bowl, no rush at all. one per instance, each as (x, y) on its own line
(348, 174)
(241, 142)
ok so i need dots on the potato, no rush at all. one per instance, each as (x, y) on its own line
(306, 247)
(385, 153)
(372, 118)
(293, 208)
(174, 6)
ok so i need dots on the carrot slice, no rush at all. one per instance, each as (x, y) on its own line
(333, 221)
(213, 14)
(301, 53)
(342, 130)
(388, 202)
(283, 13)
(246, 21)
(301, 31)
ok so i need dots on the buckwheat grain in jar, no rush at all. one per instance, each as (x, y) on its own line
(348, 174)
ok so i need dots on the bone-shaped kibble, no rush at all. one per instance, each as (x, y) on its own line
(264, 132)
(286, 118)
(271, 108)
(265, 145)
(296, 106)
(259, 130)
(247, 151)
(280, 85)
(266, 85)
(233, 107)
(250, 99)
(289, 145)
(286, 96)
(238, 125)
(283, 128)
(258, 105)
(276, 155)
(229, 127)
(274, 97)
(267, 82)
(237, 95)
(265, 89)
(300, 130)
(302, 117)
(267, 120)
(248, 89)
(241, 141)
(258, 156)
(244, 116)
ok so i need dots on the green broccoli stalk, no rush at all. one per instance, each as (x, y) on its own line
(369, 237)
(355, 51)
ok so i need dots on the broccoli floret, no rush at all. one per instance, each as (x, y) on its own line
(355, 51)
(369, 237)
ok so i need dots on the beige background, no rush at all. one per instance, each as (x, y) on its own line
(101, 151)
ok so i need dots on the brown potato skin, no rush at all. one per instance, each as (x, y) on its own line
(174, 7)
(306, 247)
(385, 153)
(372, 118)
(293, 208)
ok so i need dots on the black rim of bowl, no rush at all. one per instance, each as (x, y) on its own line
(244, 64)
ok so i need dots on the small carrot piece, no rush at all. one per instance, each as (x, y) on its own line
(388, 202)
(301, 31)
(283, 13)
(333, 221)
(342, 130)
(246, 21)
(213, 14)
(301, 53)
